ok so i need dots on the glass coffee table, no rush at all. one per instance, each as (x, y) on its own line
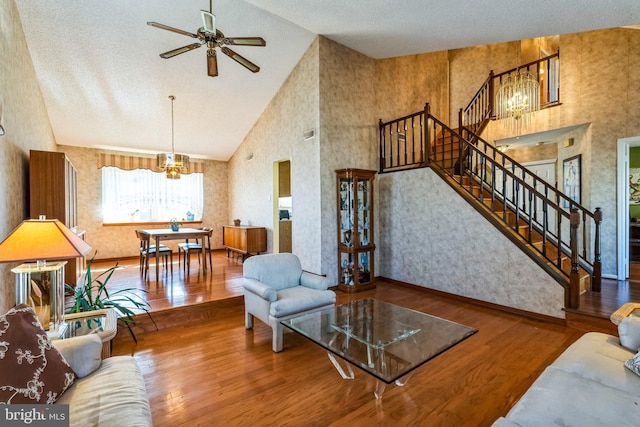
(385, 340)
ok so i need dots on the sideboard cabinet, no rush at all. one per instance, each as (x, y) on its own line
(244, 239)
(356, 244)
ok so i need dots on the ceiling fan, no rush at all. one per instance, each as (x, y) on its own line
(211, 36)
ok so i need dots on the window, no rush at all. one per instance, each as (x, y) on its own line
(141, 195)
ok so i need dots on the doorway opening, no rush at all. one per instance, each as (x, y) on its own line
(629, 209)
(282, 206)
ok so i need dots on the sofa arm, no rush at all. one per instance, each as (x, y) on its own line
(83, 353)
(314, 281)
(262, 290)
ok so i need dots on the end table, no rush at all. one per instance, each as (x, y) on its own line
(101, 322)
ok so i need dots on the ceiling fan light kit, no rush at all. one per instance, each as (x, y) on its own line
(211, 37)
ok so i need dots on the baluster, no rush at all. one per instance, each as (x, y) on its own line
(530, 231)
(398, 143)
(427, 130)
(404, 125)
(504, 189)
(390, 145)
(413, 140)
(516, 190)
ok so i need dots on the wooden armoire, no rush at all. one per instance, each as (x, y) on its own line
(53, 192)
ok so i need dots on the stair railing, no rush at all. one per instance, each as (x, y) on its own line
(521, 200)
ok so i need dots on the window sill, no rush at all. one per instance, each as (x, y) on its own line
(137, 224)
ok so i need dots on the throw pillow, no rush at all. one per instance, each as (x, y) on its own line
(31, 369)
(634, 363)
(629, 332)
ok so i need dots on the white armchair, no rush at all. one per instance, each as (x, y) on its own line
(276, 289)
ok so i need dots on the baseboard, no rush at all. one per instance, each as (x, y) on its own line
(494, 306)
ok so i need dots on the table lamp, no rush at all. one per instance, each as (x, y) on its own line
(41, 284)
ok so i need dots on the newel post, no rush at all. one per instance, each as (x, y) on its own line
(596, 280)
(427, 132)
(572, 300)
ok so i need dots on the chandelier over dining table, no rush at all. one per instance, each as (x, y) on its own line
(517, 97)
(173, 164)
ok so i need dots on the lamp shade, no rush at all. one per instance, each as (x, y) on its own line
(42, 239)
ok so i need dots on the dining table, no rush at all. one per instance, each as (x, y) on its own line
(160, 234)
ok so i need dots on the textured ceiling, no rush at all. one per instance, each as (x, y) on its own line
(105, 86)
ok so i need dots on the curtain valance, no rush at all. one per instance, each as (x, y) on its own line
(134, 162)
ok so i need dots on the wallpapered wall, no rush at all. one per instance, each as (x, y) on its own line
(278, 135)
(429, 236)
(24, 117)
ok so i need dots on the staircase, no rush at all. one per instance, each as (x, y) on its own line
(560, 235)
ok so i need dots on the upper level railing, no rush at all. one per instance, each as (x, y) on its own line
(481, 109)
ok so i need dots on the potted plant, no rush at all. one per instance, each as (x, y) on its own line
(174, 224)
(93, 295)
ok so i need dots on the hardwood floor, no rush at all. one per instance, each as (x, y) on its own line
(203, 368)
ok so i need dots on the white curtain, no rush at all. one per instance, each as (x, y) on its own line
(141, 195)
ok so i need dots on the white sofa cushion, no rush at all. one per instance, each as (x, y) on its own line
(600, 358)
(83, 353)
(629, 332)
(298, 299)
(587, 385)
(559, 398)
(114, 395)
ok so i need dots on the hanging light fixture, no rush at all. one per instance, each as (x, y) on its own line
(173, 164)
(517, 97)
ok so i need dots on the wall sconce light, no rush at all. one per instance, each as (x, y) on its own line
(1, 130)
(309, 134)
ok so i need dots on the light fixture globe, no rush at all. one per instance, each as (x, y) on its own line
(517, 97)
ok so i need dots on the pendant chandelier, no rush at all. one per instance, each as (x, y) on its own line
(174, 164)
(518, 96)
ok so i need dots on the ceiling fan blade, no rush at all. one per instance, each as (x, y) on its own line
(179, 50)
(175, 30)
(208, 21)
(240, 59)
(212, 62)
(244, 41)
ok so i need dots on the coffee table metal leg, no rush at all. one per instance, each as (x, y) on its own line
(341, 371)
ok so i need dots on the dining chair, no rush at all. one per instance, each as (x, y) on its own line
(147, 250)
(187, 248)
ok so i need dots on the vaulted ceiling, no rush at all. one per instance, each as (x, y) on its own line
(105, 86)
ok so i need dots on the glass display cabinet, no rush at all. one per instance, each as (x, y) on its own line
(356, 258)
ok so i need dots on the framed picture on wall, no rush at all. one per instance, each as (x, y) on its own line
(634, 186)
(571, 178)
